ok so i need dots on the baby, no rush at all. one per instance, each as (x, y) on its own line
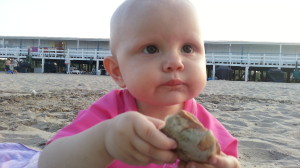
(158, 57)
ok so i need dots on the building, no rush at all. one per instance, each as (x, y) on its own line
(253, 59)
(247, 60)
(81, 54)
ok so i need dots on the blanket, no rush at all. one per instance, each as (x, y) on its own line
(13, 155)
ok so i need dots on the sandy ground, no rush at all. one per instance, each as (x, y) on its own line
(265, 117)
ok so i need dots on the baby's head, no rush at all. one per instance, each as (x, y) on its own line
(157, 51)
(134, 13)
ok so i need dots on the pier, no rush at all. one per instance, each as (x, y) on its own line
(249, 61)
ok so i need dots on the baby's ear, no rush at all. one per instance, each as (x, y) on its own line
(112, 67)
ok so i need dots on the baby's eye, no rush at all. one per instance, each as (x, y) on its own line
(187, 49)
(151, 49)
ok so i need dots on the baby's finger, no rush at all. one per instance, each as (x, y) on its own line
(138, 159)
(154, 154)
(148, 131)
(197, 165)
(133, 156)
(224, 161)
(157, 122)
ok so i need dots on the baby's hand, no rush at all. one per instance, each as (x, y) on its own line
(217, 161)
(135, 139)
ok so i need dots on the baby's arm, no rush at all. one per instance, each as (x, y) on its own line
(131, 138)
(85, 149)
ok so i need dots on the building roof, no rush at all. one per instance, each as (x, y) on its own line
(54, 38)
(252, 42)
(107, 39)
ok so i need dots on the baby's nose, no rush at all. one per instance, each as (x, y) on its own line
(173, 63)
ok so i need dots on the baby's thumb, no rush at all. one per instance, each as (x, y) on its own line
(157, 122)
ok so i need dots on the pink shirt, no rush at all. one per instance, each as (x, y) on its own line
(120, 101)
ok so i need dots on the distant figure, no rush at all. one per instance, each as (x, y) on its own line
(296, 75)
(7, 65)
(15, 65)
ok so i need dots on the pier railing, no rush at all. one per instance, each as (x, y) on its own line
(253, 59)
(46, 53)
(213, 58)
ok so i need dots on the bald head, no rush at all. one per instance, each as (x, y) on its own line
(133, 11)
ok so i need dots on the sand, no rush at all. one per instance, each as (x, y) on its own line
(265, 117)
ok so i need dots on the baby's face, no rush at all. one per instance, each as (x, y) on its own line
(160, 52)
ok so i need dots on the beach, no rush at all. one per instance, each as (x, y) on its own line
(264, 116)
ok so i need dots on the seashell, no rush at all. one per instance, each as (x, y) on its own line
(194, 141)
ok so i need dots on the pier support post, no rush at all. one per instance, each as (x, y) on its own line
(43, 65)
(246, 73)
(97, 67)
(68, 67)
(213, 72)
(68, 62)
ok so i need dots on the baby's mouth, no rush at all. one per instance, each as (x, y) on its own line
(173, 82)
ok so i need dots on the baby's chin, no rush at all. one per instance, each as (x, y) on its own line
(178, 97)
(164, 98)
(169, 101)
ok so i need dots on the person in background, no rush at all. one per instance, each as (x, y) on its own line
(7, 65)
(15, 65)
(158, 58)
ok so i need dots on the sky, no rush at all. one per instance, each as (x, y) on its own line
(222, 20)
